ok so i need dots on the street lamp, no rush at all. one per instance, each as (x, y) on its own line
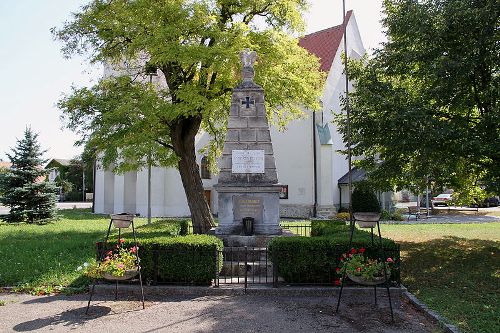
(151, 71)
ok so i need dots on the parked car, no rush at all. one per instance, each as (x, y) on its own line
(488, 202)
(423, 198)
(441, 200)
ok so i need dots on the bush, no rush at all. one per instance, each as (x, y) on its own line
(191, 259)
(364, 200)
(344, 216)
(314, 259)
(325, 227)
(184, 227)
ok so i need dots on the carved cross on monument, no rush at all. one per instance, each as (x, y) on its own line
(247, 102)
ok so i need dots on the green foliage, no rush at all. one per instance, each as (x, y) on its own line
(326, 227)
(315, 259)
(184, 227)
(364, 200)
(30, 197)
(426, 104)
(185, 259)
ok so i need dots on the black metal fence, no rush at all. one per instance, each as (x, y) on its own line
(299, 230)
(247, 266)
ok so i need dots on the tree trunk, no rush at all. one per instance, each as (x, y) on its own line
(183, 141)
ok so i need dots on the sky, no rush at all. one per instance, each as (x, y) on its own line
(35, 74)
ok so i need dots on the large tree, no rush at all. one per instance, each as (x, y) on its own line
(425, 105)
(25, 189)
(195, 47)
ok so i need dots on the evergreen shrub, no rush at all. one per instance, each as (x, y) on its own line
(325, 227)
(315, 259)
(364, 199)
(166, 258)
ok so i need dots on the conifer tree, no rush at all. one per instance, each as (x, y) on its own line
(30, 197)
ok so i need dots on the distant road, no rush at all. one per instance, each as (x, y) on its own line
(60, 205)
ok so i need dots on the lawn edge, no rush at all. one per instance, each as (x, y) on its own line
(430, 314)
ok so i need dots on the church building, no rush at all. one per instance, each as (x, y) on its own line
(309, 166)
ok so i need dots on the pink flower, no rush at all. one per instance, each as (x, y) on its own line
(133, 249)
(338, 282)
(120, 266)
(389, 260)
(362, 250)
(121, 240)
(337, 269)
(106, 259)
(353, 251)
(358, 269)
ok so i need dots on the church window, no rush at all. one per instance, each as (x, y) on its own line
(205, 171)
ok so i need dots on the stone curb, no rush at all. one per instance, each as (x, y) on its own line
(433, 316)
(231, 290)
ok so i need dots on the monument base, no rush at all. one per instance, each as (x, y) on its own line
(251, 241)
(261, 203)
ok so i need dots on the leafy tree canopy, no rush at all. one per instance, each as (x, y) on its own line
(426, 103)
(195, 46)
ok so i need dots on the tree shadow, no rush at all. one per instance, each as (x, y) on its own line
(456, 276)
(65, 318)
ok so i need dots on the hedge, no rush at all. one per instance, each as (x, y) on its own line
(314, 259)
(165, 258)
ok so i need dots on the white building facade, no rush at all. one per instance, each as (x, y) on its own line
(306, 153)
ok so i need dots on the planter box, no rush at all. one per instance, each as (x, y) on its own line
(367, 220)
(122, 220)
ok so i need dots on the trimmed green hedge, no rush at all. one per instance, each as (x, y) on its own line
(314, 259)
(165, 258)
(325, 227)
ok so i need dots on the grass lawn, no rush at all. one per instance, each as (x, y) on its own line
(453, 268)
(43, 258)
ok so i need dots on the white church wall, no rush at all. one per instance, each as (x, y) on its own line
(175, 201)
(109, 192)
(334, 90)
(130, 189)
(293, 151)
(99, 190)
(119, 194)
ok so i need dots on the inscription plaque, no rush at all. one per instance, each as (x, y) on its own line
(247, 206)
(247, 161)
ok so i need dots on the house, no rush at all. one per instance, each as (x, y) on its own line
(307, 160)
(57, 167)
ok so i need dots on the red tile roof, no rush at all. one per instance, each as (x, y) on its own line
(5, 165)
(324, 43)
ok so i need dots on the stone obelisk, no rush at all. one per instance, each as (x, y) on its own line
(248, 182)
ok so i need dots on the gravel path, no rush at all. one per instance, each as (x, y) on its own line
(233, 314)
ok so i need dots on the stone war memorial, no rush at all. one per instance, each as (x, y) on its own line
(248, 182)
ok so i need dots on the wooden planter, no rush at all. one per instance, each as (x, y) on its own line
(122, 220)
(362, 281)
(367, 220)
(129, 274)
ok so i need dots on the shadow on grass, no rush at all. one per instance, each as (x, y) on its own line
(458, 277)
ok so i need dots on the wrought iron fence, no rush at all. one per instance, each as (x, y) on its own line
(299, 230)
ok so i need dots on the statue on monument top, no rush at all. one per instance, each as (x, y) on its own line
(248, 58)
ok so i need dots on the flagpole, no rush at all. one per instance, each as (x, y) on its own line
(348, 113)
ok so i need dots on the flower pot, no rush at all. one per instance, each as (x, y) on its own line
(360, 280)
(367, 220)
(129, 274)
(122, 220)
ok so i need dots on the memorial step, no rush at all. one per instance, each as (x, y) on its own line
(253, 269)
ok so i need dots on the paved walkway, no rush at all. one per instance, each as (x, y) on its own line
(22, 313)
